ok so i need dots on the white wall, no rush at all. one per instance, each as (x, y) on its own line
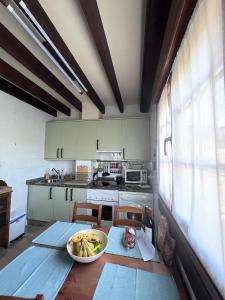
(22, 138)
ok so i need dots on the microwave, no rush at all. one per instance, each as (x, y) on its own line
(136, 176)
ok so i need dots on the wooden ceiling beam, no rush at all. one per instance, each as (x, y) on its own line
(16, 78)
(179, 17)
(4, 2)
(42, 18)
(91, 12)
(16, 49)
(12, 90)
(157, 12)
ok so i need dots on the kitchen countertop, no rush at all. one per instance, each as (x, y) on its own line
(123, 187)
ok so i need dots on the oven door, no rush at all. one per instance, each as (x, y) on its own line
(107, 211)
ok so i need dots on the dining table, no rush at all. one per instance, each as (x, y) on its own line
(82, 279)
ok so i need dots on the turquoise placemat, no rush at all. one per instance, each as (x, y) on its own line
(120, 283)
(58, 234)
(37, 270)
(115, 245)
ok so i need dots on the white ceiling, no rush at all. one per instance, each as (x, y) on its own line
(123, 22)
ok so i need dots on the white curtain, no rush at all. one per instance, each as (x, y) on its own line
(198, 129)
(165, 159)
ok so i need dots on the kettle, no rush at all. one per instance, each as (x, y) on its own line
(119, 179)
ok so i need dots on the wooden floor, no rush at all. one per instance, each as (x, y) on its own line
(18, 246)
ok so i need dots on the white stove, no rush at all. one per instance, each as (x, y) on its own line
(103, 195)
(108, 199)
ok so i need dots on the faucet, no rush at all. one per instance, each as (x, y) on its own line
(57, 172)
(95, 175)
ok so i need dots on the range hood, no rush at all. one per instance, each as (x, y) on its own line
(109, 155)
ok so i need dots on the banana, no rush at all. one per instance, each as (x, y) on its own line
(77, 238)
(91, 237)
(91, 245)
(89, 250)
(84, 249)
(77, 247)
(83, 244)
(80, 253)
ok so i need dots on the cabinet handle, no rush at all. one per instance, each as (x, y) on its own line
(50, 193)
(123, 153)
(61, 152)
(66, 194)
(57, 154)
(97, 144)
(71, 195)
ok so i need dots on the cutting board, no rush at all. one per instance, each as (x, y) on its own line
(82, 169)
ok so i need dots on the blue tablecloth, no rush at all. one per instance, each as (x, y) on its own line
(37, 270)
(58, 234)
(122, 283)
(115, 245)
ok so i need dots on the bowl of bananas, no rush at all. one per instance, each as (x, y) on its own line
(87, 245)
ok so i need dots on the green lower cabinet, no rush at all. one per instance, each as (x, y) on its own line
(47, 203)
(77, 195)
(61, 204)
(40, 203)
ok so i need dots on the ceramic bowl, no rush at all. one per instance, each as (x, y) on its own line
(89, 259)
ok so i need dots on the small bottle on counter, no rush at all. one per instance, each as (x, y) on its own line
(47, 176)
(62, 175)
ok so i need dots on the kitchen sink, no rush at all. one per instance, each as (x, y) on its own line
(53, 181)
(76, 182)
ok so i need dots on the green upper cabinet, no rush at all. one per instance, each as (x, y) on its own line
(87, 140)
(136, 139)
(110, 135)
(53, 140)
(70, 135)
(70, 140)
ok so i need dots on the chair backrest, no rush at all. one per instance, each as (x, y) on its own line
(127, 222)
(87, 218)
(38, 297)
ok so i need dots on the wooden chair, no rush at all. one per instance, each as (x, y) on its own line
(87, 218)
(38, 297)
(127, 222)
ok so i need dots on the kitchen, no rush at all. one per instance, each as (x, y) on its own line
(97, 110)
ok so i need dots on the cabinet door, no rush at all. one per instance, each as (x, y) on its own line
(40, 203)
(136, 139)
(61, 206)
(53, 140)
(77, 195)
(70, 134)
(110, 135)
(87, 140)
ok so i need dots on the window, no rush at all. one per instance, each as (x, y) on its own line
(198, 133)
(164, 148)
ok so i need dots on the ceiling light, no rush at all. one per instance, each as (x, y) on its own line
(76, 83)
